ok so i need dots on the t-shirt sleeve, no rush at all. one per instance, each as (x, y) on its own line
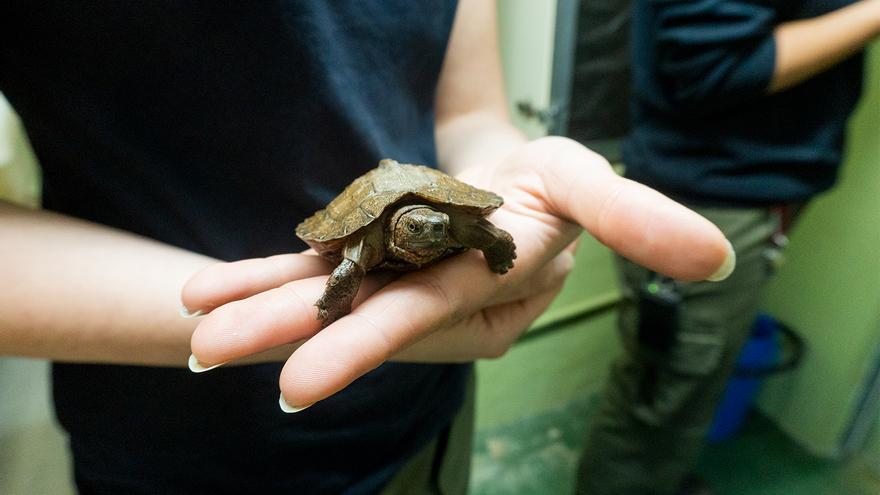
(713, 53)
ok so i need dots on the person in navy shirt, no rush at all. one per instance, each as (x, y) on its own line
(739, 111)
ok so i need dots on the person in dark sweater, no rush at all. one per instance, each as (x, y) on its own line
(178, 135)
(739, 111)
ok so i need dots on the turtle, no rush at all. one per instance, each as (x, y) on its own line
(400, 217)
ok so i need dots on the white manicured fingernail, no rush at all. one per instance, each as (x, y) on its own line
(288, 408)
(196, 367)
(727, 267)
(187, 314)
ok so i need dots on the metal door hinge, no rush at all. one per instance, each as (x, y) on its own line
(546, 116)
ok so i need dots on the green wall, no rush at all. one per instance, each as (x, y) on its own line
(830, 291)
(565, 354)
(872, 451)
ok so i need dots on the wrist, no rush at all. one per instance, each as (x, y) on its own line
(873, 7)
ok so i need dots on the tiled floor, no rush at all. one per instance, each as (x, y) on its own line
(538, 455)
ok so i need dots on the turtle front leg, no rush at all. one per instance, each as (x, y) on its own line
(339, 292)
(358, 256)
(496, 244)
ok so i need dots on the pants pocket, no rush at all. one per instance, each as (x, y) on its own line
(698, 350)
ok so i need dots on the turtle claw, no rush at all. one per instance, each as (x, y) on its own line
(327, 313)
(500, 255)
(502, 268)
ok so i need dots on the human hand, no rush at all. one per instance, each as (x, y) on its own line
(456, 310)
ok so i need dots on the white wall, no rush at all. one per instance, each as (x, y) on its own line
(526, 30)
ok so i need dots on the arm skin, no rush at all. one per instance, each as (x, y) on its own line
(457, 310)
(715, 54)
(80, 292)
(76, 291)
(473, 125)
(805, 48)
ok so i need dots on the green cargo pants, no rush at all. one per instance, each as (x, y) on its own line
(658, 404)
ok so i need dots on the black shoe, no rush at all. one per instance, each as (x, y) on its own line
(694, 485)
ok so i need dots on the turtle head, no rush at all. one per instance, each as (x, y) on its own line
(419, 233)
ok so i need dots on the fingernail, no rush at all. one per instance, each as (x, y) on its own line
(196, 367)
(288, 408)
(727, 267)
(186, 313)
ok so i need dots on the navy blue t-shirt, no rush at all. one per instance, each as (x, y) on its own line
(705, 131)
(218, 126)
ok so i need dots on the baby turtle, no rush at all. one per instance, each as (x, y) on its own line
(401, 217)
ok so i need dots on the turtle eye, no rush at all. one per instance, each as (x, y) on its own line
(412, 227)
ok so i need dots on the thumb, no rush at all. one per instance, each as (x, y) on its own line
(634, 220)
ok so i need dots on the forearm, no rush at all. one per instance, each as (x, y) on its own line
(805, 48)
(473, 126)
(478, 139)
(76, 291)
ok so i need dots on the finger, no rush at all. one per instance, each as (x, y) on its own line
(221, 283)
(269, 319)
(652, 230)
(400, 314)
(505, 323)
(636, 221)
(356, 344)
(551, 275)
(573, 246)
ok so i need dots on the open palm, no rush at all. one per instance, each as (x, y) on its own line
(456, 310)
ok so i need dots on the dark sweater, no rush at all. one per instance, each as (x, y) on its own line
(218, 126)
(705, 130)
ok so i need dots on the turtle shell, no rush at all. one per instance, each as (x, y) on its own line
(367, 198)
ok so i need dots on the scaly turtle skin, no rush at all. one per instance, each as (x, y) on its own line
(400, 217)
